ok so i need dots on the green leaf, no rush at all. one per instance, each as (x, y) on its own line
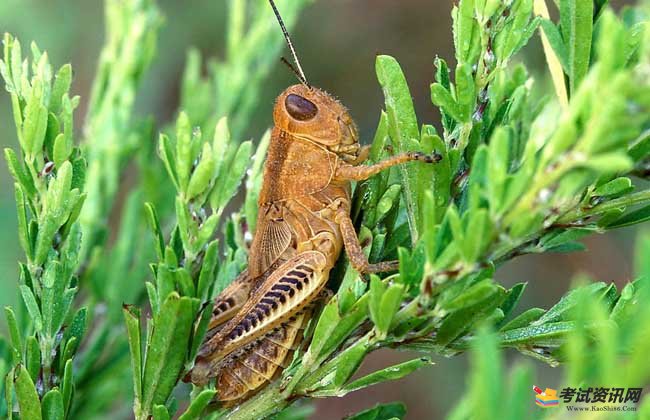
(548, 334)
(327, 323)
(201, 329)
(67, 385)
(632, 218)
(14, 333)
(166, 350)
(28, 402)
(9, 392)
(52, 405)
(53, 292)
(164, 282)
(486, 370)
(16, 61)
(154, 299)
(20, 173)
(381, 412)
(154, 225)
(35, 123)
(441, 174)
(640, 148)
(568, 302)
(388, 374)
(521, 378)
(404, 132)
(387, 202)
(69, 348)
(208, 270)
(478, 234)
(377, 289)
(347, 363)
(61, 150)
(554, 240)
(202, 175)
(512, 298)
(471, 296)
(577, 28)
(184, 158)
(60, 203)
(331, 330)
(442, 77)
(475, 307)
(78, 173)
(254, 181)
(198, 404)
(23, 230)
(465, 29)
(206, 231)
(608, 163)
(236, 171)
(165, 150)
(68, 124)
(498, 163)
(465, 91)
(61, 87)
(220, 144)
(621, 311)
(132, 319)
(32, 357)
(184, 282)
(187, 228)
(160, 412)
(555, 40)
(518, 31)
(390, 304)
(614, 188)
(32, 307)
(442, 98)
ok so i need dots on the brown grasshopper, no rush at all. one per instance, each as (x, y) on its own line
(303, 224)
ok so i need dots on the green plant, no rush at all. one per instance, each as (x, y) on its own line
(606, 347)
(521, 172)
(49, 183)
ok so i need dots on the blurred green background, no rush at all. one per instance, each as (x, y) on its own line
(337, 41)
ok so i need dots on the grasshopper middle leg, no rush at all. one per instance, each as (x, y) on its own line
(355, 251)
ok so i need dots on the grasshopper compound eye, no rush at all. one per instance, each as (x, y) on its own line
(300, 108)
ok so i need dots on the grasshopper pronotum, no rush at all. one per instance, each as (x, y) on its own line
(303, 224)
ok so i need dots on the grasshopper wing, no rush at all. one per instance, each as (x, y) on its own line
(273, 237)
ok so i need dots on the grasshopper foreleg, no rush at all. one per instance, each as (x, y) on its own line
(348, 172)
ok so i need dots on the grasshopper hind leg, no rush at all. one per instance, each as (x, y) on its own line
(260, 363)
(263, 361)
(229, 302)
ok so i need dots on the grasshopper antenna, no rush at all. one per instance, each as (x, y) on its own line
(297, 70)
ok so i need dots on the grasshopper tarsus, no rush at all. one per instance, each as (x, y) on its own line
(435, 157)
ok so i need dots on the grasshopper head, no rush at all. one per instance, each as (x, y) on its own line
(312, 114)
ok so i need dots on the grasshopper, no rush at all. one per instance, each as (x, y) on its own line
(303, 225)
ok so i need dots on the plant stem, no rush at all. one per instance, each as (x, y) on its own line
(270, 401)
(46, 362)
